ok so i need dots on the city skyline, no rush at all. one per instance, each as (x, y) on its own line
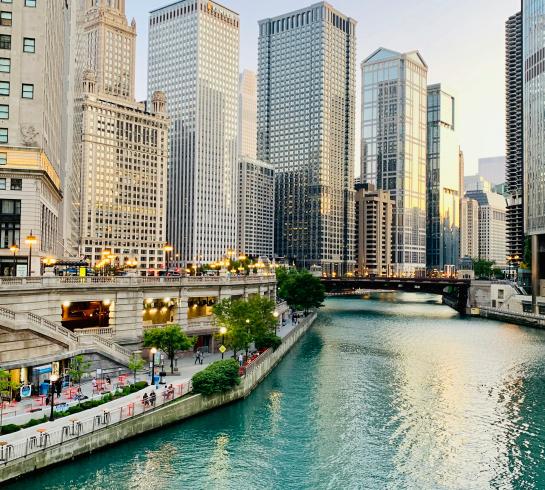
(478, 87)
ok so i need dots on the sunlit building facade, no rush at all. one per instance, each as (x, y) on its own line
(469, 228)
(306, 108)
(124, 148)
(443, 181)
(194, 59)
(247, 115)
(394, 124)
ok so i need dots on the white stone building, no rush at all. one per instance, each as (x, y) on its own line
(469, 228)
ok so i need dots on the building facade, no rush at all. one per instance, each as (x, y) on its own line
(256, 208)
(194, 59)
(306, 104)
(32, 43)
(444, 169)
(247, 115)
(493, 169)
(124, 148)
(374, 216)
(394, 122)
(477, 183)
(492, 226)
(469, 228)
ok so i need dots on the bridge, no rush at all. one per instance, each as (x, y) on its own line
(454, 291)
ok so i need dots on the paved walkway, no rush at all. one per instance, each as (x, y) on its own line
(187, 368)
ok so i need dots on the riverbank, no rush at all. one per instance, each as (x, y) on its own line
(109, 427)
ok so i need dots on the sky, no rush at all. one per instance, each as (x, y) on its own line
(462, 42)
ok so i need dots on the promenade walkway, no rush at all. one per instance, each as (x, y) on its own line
(114, 411)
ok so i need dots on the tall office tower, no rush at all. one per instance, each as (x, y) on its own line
(492, 169)
(32, 40)
(394, 121)
(514, 146)
(306, 101)
(193, 58)
(247, 115)
(533, 101)
(443, 181)
(469, 229)
(256, 208)
(374, 215)
(476, 183)
(492, 226)
(124, 147)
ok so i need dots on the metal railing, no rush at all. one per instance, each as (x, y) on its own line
(77, 426)
(513, 314)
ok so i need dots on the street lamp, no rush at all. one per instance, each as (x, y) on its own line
(14, 249)
(52, 379)
(30, 241)
(167, 249)
(223, 331)
(153, 351)
(275, 314)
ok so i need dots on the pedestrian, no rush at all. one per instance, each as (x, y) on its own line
(240, 360)
(152, 398)
(108, 380)
(197, 356)
(201, 357)
(145, 399)
(58, 387)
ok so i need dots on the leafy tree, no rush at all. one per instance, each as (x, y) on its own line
(483, 268)
(6, 389)
(77, 367)
(301, 290)
(498, 273)
(219, 377)
(268, 341)
(136, 363)
(169, 339)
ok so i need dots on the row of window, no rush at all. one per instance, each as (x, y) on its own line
(15, 184)
(27, 90)
(28, 3)
(29, 43)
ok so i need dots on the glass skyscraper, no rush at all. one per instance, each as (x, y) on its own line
(394, 101)
(306, 104)
(444, 175)
(194, 59)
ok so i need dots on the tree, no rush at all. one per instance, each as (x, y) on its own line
(483, 268)
(232, 314)
(77, 367)
(169, 339)
(136, 363)
(6, 389)
(301, 290)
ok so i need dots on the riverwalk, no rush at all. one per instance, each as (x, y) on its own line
(68, 437)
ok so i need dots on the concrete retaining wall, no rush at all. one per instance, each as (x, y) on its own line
(167, 414)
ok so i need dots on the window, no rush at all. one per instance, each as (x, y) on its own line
(7, 1)
(30, 3)
(28, 91)
(4, 88)
(10, 222)
(5, 18)
(3, 135)
(16, 184)
(5, 41)
(5, 65)
(2, 184)
(3, 158)
(29, 45)
(4, 111)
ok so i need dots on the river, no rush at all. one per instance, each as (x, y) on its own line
(394, 391)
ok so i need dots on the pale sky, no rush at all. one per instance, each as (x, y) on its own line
(462, 42)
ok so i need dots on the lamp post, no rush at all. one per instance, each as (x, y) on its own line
(30, 241)
(223, 331)
(153, 351)
(248, 344)
(53, 378)
(14, 249)
(275, 314)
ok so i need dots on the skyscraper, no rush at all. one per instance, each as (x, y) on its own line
(247, 115)
(32, 43)
(443, 181)
(469, 232)
(533, 101)
(194, 58)
(493, 169)
(306, 100)
(124, 148)
(394, 121)
(514, 144)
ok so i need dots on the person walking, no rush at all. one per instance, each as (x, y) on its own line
(197, 356)
(201, 357)
(240, 360)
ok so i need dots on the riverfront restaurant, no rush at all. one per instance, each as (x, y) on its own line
(37, 377)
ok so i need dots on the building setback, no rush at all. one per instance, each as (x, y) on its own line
(394, 121)
(374, 215)
(306, 103)
(194, 59)
(32, 42)
(444, 168)
(256, 208)
(124, 148)
(514, 143)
